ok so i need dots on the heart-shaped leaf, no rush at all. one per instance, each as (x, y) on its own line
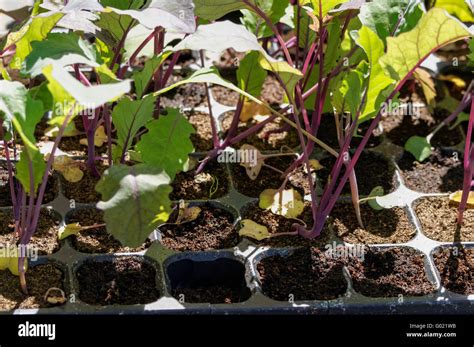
(253, 230)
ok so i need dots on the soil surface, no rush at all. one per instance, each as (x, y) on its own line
(96, 240)
(39, 279)
(399, 128)
(202, 138)
(45, 239)
(51, 192)
(84, 190)
(267, 179)
(212, 229)
(273, 136)
(123, 281)
(456, 268)
(212, 183)
(390, 273)
(280, 224)
(188, 95)
(384, 226)
(381, 173)
(307, 274)
(438, 218)
(442, 172)
(272, 93)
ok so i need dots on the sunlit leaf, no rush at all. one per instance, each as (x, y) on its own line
(287, 203)
(253, 230)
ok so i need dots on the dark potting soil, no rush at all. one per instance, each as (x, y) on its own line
(39, 279)
(381, 173)
(272, 93)
(123, 281)
(390, 272)
(96, 240)
(280, 224)
(188, 95)
(384, 226)
(328, 134)
(456, 268)
(442, 172)
(399, 128)
(220, 281)
(51, 192)
(438, 218)
(212, 183)
(273, 136)
(202, 138)
(267, 179)
(84, 190)
(212, 229)
(45, 239)
(307, 274)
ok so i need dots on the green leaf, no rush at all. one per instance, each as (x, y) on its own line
(143, 78)
(326, 5)
(288, 75)
(406, 51)
(378, 82)
(377, 191)
(215, 9)
(38, 167)
(135, 201)
(129, 116)
(307, 36)
(113, 27)
(175, 15)
(37, 30)
(217, 37)
(64, 49)
(167, 144)
(419, 147)
(24, 113)
(250, 74)
(351, 89)
(69, 230)
(274, 9)
(334, 50)
(90, 97)
(383, 17)
(123, 5)
(458, 8)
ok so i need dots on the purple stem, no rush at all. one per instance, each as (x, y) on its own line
(468, 166)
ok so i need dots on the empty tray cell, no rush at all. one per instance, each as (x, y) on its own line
(220, 281)
(390, 272)
(304, 274)
(119, 280)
